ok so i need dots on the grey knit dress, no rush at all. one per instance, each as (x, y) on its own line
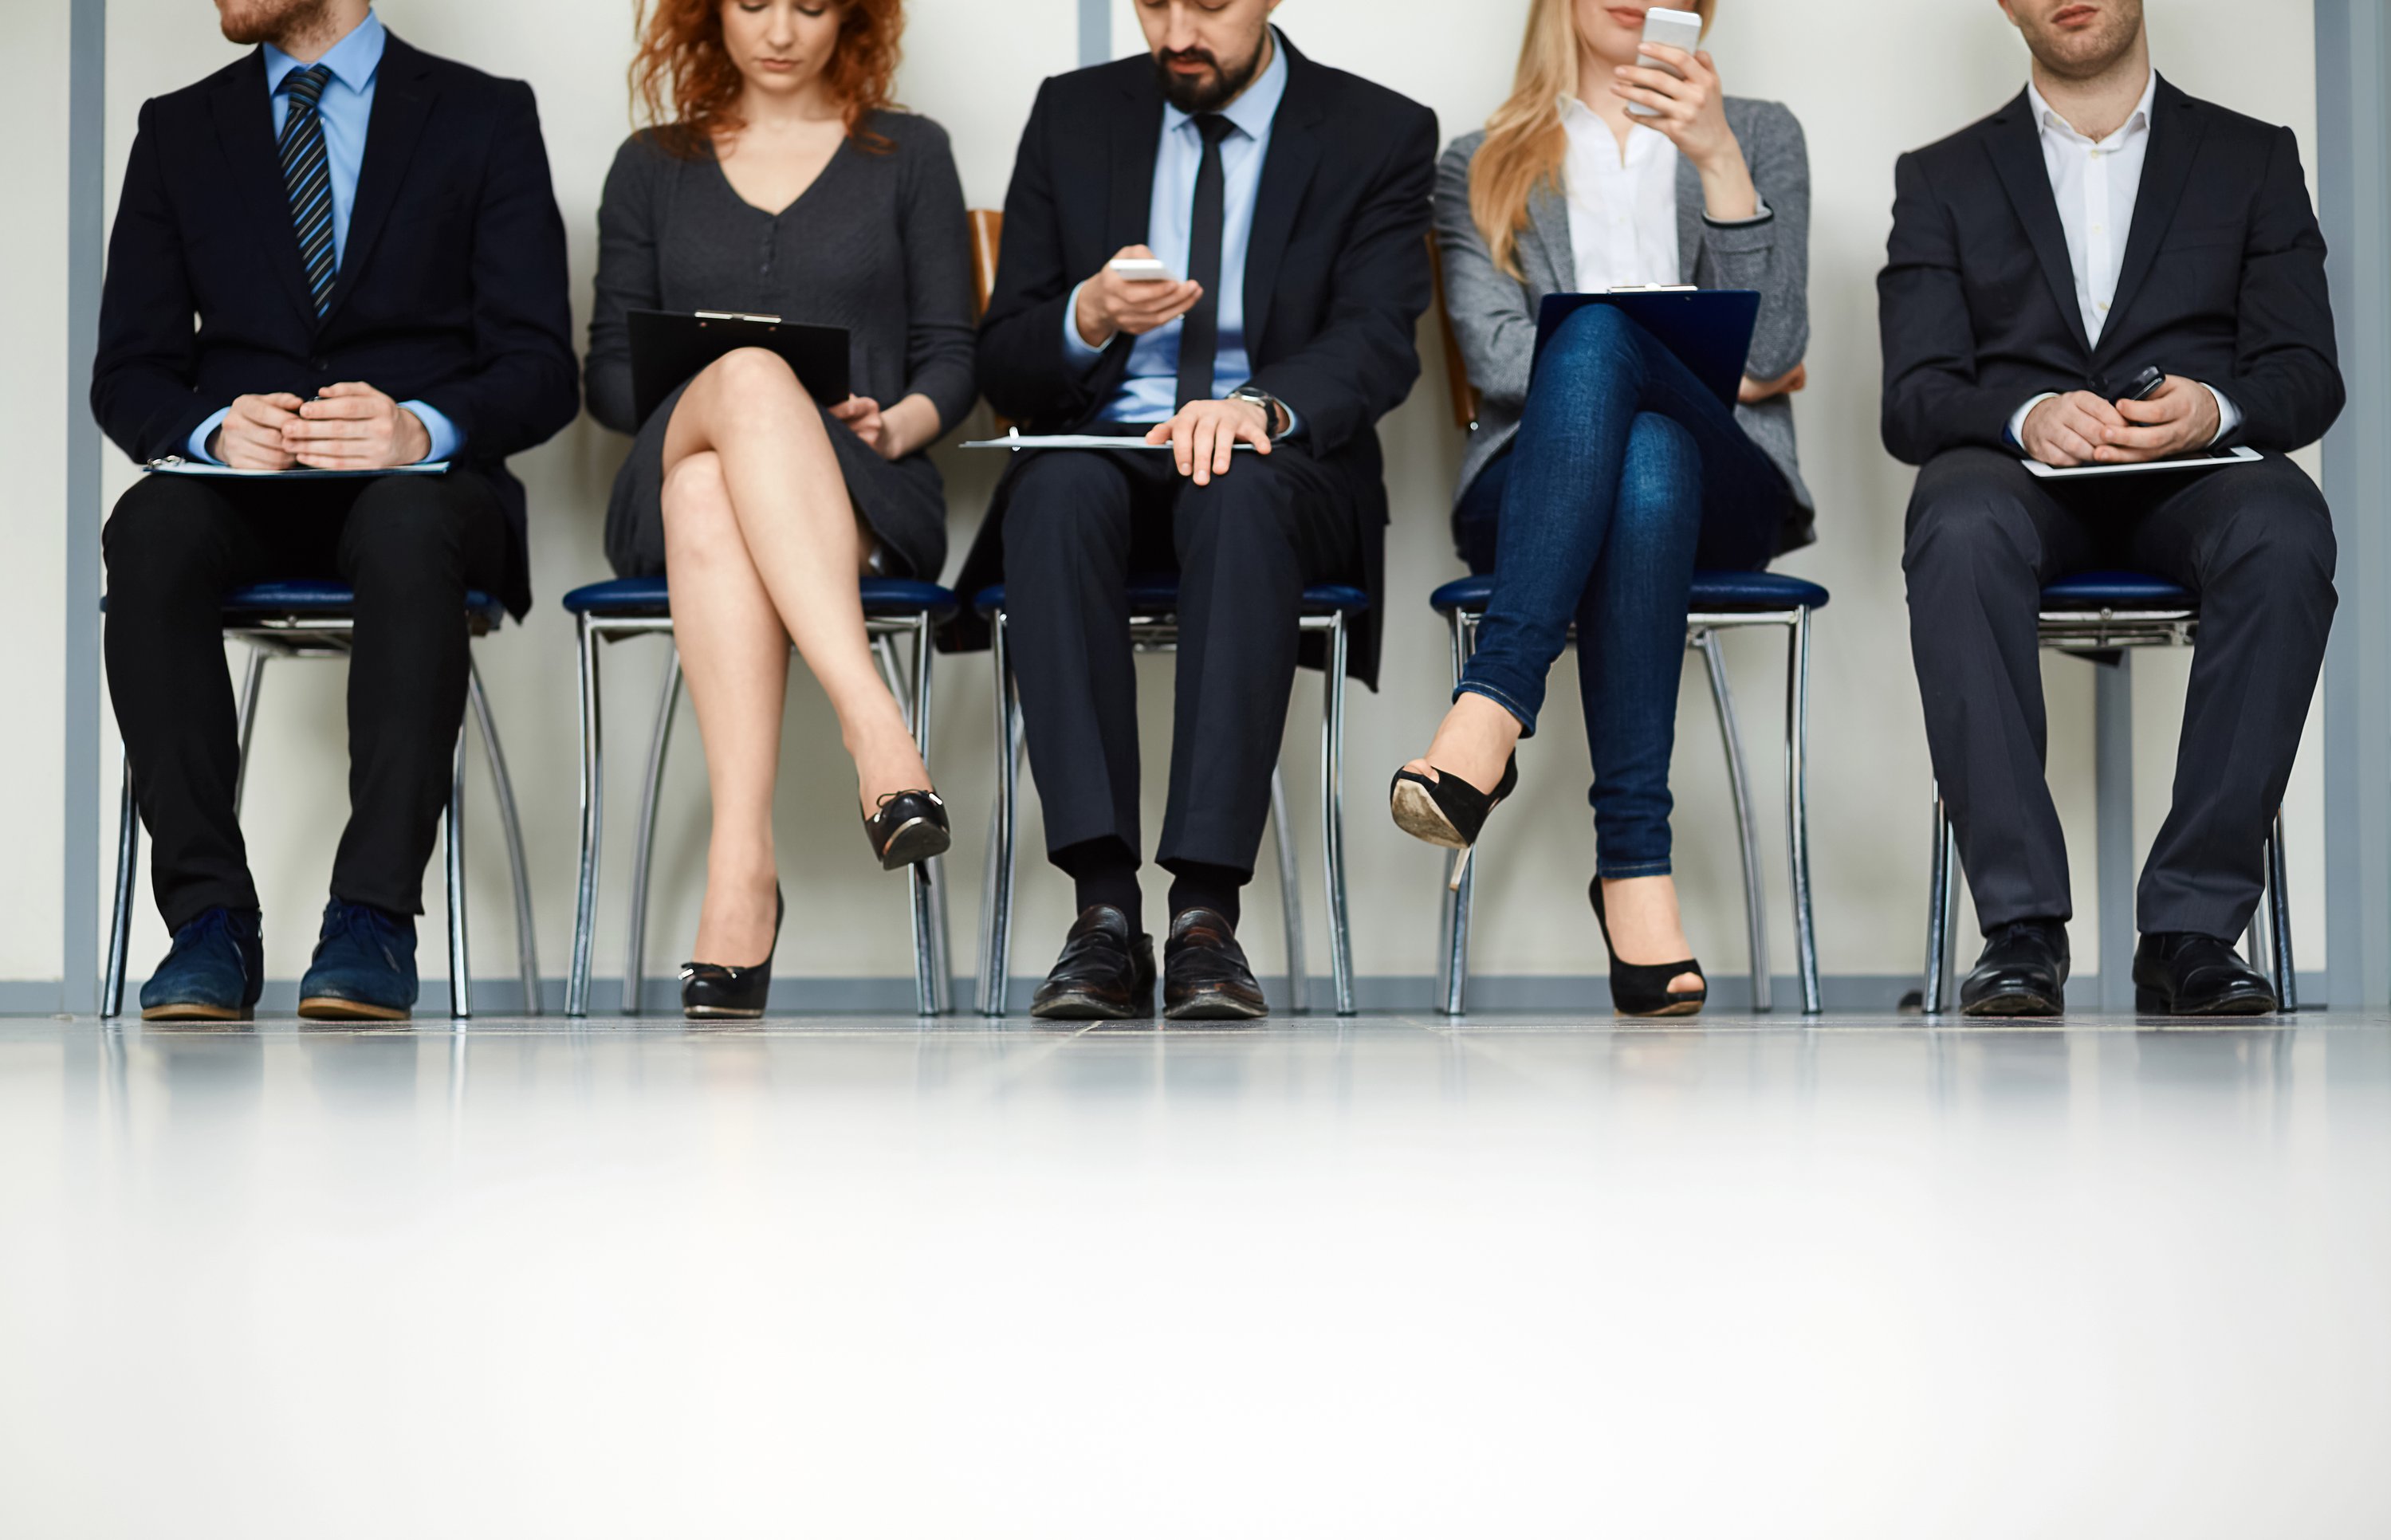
(879, 244)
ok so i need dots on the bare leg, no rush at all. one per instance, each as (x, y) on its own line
(799, 529)
(1645, 925)
(1474, 741)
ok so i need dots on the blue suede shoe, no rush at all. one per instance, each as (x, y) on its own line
(215, 971)
(364, 968)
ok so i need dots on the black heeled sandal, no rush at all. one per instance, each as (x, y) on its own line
(1448, 811)
(1642, 989)
(911, 827)
(715, 991)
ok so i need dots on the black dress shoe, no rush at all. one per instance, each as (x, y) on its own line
(2023, 972)
(2181, 973)
(1104, 974)
(911, 827)
(717, 992)
(1204, 972)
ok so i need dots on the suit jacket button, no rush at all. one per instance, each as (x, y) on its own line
(320, 365)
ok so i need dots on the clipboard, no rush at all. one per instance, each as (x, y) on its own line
(175, 465)
(1709, 330)
(1018, 440)
(2242, 454)
(669, 347)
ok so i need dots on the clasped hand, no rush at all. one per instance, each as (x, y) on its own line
(349, 427)
(2084, 429)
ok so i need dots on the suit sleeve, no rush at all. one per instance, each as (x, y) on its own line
(1023, 369)
(523, 387)
(141, 380)
(1362, 363)
(1771, 254)
(627, 281)
(2286, 378)
(937, 281)
(1932, 399)
(1492, 320)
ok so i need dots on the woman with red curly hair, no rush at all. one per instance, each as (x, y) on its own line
(777, 179)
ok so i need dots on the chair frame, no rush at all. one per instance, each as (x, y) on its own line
(1703, 631)
(1158, 632)
(2089, 632)
(317, 635)
(932, 981)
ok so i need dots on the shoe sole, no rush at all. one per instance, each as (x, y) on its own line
(324, 1007)
(716, 1013)
(915, 841)
(1690, 1007)
(1215, 1007)
(191, 1011)
(1417, 815)
(2149, 1003)
(2015, 1006)
(1081, 1007)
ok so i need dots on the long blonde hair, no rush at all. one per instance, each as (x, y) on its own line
(1525, 142)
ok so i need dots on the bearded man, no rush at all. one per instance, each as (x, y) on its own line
(334, 255)
(1289, 203)
(2045, 263)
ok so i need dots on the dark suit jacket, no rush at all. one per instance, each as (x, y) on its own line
(1336, 272)
(2223, 282)
(452, 289)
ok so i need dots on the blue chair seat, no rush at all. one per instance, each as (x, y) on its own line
(649, 596)
(2117, 591)
(1714, 591)
(313, 597)
(1159, 593)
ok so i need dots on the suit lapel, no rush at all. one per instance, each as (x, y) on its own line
(1548, 233)
(1136, 145)
(244, 118)
(2016, 150)
(402, 102)
(2176, 127)
(1294, 156)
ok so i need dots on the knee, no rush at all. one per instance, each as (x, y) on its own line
(1596, 335)
(1962, 524)
(162, 532)
(1661, 480)
(1243, 513)
(402, 524)
(1058, 502)
(696, 500)
(755, 387)
(2282, 548)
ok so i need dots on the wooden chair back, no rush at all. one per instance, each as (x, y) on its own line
(1456, 367)
(987, 237)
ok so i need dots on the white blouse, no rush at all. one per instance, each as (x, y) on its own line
(1623, 211)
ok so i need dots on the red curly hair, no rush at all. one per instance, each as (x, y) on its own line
(685, 81)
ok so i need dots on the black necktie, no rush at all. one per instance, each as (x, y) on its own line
(308, 175)
(1199, 335)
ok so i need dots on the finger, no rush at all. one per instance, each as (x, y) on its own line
(1180, 430)
(1158, 433)
(1224, 446)
(1667, 52)
(2099, 407)
(1206, 431)
(282, 399)
(2157, 409)
(2072, 445)
(300, 431)
(2141, 439)
(353, 408)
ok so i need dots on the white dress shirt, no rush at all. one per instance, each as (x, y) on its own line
(1622, 209)
(2095, 184)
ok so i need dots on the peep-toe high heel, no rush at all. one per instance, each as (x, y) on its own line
(1642, 989)
(1448, 812)
(715, 991)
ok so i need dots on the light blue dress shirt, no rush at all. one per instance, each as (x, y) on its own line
(346, 107)
(1150, 392)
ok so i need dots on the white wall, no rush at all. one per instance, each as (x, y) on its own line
(1869, 81)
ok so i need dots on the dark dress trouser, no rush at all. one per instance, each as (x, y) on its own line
(410, 546)
(1077, 524)
(2254, 542)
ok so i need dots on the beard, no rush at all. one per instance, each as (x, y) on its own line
(247, 21)
(1205, 93)
(2086, 53)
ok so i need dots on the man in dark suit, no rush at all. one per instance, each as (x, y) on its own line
(365, 238)
(1289, 202)
(2103, 223)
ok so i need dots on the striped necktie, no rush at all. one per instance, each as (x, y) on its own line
(308, 174)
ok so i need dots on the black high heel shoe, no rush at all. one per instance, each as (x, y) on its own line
(714, 991)
(911, 827)
(1448, 811)
(1642, 989)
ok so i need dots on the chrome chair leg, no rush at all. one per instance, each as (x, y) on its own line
(920, 883)
(526, 932)
(930, 883)
(1454, 950)
(1290, 888)
(1332, 815)
(1797, 807)
(1942, 898)
(2279, 917)
(245, 725)
(461, 973)
(120, 922)
(996, 917)
(1755, 909)
(643, 844)
(585, 914)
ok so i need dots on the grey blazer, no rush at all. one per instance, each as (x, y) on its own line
(1494, 314)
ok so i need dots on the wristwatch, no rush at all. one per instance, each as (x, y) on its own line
(1282, 421)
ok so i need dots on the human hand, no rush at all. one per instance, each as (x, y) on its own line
(2069, 429)
(250, 438)
(1692, 111)
(862, 416)
(2178, 418)
(351, 426)
(1110, 304)
(1752, 391)
(1205, 435)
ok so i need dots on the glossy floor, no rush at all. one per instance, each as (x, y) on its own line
(1386, 1277)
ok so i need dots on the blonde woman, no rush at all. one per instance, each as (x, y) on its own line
(1595, 493)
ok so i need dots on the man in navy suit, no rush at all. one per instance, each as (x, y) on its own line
(337, 253)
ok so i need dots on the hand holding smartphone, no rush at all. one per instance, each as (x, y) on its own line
(1142, 269)
(1676, 30)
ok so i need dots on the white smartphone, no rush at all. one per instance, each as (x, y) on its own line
(1678, 30)
(1142, 269)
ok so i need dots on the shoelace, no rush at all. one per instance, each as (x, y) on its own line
(368, 926)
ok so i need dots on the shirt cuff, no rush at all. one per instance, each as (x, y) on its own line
(1762, 216)
(1075, 347)
(202, 434)
(2228, 416)
(445, 441)
(2017, 418)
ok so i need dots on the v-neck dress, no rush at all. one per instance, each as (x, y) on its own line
(879, 244)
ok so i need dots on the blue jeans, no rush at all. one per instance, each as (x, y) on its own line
(1626, 476)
